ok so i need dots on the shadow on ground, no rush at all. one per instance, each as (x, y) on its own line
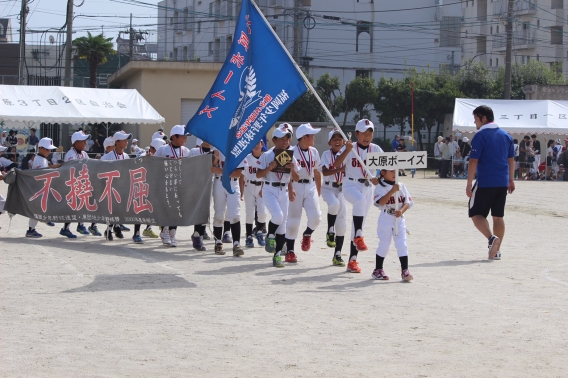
(113, 282)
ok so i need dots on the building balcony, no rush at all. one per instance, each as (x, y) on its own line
(520, 8)
(524, 39)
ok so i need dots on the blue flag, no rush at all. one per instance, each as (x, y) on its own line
(256, 84)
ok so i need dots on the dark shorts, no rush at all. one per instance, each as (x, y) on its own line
(485, 199)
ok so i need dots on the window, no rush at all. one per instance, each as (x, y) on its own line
(497, 29)
(481, 44)
(175, 53)
(210, 48)
(363, 73)
(496, 62)
(537, 23)
(184, 53)
(176, 20)
(186, 19)
(364, 27)
(557, 4)
(537, 57)
(490, 62)
(199, 26)
(210, 9)
(491, 30)
(556, 35)
(450, 31)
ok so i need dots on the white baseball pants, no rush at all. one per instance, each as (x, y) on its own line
(307, 198)
(252, 200)
(361, 198)
(536, 163)
(336, 205)
(385, 231)
(224, 202)
(276, 202)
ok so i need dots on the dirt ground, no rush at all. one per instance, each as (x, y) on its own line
(90, 308)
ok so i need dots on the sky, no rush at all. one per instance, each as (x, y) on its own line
(96, 16)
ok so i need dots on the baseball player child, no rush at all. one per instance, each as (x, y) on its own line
(175, 150)
(357, 187)
(154, 146)
(251, 193)
(306, 191)
(277, 191)
(120, 143)
(199, 230)
(40, 161)
(224, 202)
(384, 200)
(332, 194)
(79, 142)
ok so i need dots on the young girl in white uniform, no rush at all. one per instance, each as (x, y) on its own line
(384, 199)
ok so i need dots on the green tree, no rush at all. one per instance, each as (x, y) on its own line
(359, 93)
(93, 49)
(308, 109)
(392, 103)
(328, 90)
(476, 81)
(534, 72)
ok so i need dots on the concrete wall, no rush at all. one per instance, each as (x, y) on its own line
(546, 92)
(164, 85)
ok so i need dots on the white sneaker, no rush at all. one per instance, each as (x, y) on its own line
(173, 241)
(497, 256)
(165, 236)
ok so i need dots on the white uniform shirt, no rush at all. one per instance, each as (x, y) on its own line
(72, 154)
(221, 164)
(328, 161)
(353, 168)
(111, 156)
(308, 161)
(56, 157)
(266, 159)
(169, 151)
(5, 162)
(252, 166)
(197, 151)
(403, 196)
(39, 162)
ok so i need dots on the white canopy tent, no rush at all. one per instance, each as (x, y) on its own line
(515, 116)
(33, 104)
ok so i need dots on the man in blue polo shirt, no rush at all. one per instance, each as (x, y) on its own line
(395, 143)
(492, 156)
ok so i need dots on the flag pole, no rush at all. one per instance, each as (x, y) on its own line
(311, 88)
(412, 100)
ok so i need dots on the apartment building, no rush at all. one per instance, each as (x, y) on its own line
(539, 28)
(346, 38)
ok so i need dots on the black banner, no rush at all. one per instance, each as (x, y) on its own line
(147, 190)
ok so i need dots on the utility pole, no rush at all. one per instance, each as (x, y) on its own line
(131, 42)
(23, 14)
(297, 32)
(68, 43)
(508, 53)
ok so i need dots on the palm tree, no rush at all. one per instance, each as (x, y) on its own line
(94, 50)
